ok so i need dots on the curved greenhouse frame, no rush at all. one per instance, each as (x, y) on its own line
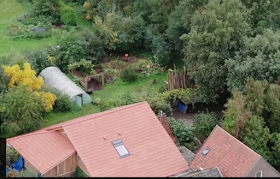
(56, 79)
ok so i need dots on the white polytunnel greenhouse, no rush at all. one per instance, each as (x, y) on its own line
(56, 79)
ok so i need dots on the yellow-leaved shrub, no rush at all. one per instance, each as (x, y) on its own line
(48, 98)
(27, 76)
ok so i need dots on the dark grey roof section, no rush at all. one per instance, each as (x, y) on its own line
(214, 172)
(187, 154)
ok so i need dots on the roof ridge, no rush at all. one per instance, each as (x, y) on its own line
(238, 140)
(104, 113)
(39, 132)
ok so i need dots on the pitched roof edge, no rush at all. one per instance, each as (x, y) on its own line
(270, 166)
(251, 168)
(104, 113)
(239, 141)
(203, 144)
(42, 172)
(38, 132)
(219, 171)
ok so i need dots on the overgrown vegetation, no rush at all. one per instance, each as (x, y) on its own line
(205, 122)
(80, 172)
(129, 75)
(185, 134)
(253, 118)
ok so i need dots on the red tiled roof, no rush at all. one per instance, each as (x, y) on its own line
(43, 150)
(233, 158)
(164, 121)
(153, 153)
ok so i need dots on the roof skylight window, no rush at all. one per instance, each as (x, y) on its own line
(120, 147)
(206, 151)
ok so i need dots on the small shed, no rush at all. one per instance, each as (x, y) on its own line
(56, 79)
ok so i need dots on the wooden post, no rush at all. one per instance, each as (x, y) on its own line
(102, 78)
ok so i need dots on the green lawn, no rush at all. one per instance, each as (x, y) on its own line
(109, 92)
(10, 10)
(54, 118)
(112, 92)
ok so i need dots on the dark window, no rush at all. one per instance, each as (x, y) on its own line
(259, 174)
(120, 147)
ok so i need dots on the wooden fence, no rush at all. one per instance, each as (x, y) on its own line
(177, 79)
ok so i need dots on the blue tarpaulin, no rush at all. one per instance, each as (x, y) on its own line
(182, 107)
(7, 170)
(19, 164)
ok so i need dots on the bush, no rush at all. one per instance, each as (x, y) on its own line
(129, 75)
(11, 154)
(23, 111)
(39, 60)
(67, 14)
(12, 173)
(205, 123)
(62, 103)
(28, 32)
(49, 9)
(80, 173)
(183, 133)
(36, 20)
(27, 173)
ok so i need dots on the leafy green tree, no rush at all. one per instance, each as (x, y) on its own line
(94, 46)
(252, 117)
(107, 29)
(67, 13)
(257, 136)
(39, 59)
(132, 33)
(70, 49)
(179, 20)
(216, 33)
(264, 14)
(23, 111)
(47, 8)
(255, 92)
(155, 12)
(272, 101)
(236, 116)
(4, 81)
(258, 59)
(276, 148)
(205, 123)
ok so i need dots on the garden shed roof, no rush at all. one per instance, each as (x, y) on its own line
(56, 79)
(43, 149)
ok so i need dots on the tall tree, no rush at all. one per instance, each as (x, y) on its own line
(179, 21)
(4, 81)
(236, 116)
(23, 111)
(217, 32)
(264, 14)
(257, 59)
